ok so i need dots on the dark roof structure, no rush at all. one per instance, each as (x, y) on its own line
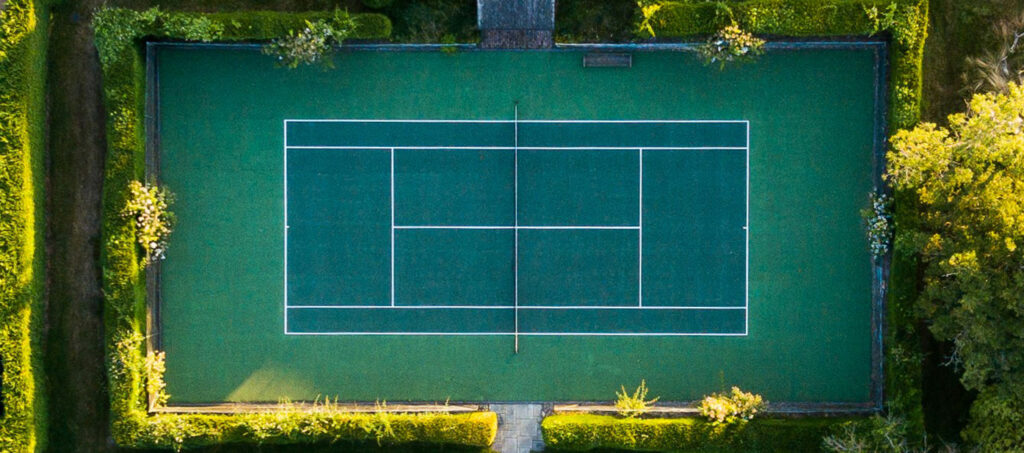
(525, 24)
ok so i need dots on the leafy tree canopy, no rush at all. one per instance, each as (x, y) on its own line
(966, 184)
(969, 183)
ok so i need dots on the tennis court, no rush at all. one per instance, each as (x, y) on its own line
(513, 226)
(516, 228)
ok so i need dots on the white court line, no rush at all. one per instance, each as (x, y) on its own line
(513, 227)
(517, 227)
(515, 219)
(285, 172)
(535, 334)
(392, 227)
(530, 148)
(506, 307)
(321, 120)
(746, 231)
(640, 234)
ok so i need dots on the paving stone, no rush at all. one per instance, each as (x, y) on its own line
(518, 428)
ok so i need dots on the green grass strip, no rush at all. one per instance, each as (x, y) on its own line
(22, 268)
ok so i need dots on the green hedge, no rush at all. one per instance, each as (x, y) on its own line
(119, 33)
(906, 27)
(324, 426)
(22, 271)
(575, 432)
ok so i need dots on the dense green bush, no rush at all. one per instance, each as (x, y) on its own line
(118, 35)
(997, 420)
(964, 182)
(588, 432)
(377, 4)
(22, 129)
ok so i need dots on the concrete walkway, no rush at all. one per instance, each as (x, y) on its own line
(518, 428)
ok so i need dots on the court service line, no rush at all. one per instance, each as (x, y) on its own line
(355, 120)
(392, 227)
(506, 307)
(285, 203)
(523, 148)
(746, 231)
(513, 227)
(515, 219)
(537, 334)
(640, 233)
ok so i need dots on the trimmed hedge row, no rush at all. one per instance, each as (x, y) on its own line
(22, 272)
(119, 33)
(319, 426)
(580, 432)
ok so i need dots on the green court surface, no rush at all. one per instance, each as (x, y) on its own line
(516, 237)
(391, 228)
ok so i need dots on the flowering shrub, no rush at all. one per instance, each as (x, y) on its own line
(156, 388)
(879, 225)
(148, 205)
(731, 44)
(635, 404)
(311, 44)
(727, 409)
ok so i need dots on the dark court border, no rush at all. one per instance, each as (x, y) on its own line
(880, 267)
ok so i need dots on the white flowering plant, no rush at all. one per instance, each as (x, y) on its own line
(148, 205)
(731, 44)
(879, 220)
(156, 388)
(312, 44)
(735, 407)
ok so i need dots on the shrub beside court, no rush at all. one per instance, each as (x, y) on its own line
(22, 271)
(119, 33)
(581, 432)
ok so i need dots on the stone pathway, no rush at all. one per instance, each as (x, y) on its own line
(518, 428)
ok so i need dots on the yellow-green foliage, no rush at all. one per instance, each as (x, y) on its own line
(156, 388)
(131, 375)
(22, 121)
(290, 425)
(635, 404)
(966, 183)
(731, 43)
(575, 432)
(737, 406)
(148, 205)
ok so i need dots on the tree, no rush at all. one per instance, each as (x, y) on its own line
(966, 184)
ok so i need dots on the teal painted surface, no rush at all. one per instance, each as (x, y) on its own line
(222, 111)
